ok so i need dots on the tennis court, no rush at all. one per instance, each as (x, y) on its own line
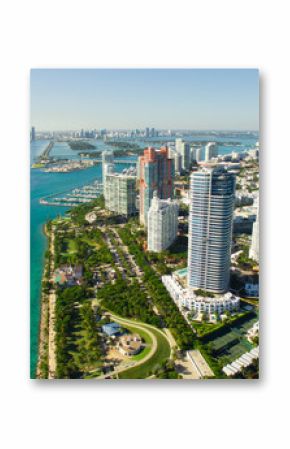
(234, 343)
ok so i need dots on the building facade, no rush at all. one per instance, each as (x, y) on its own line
(162, 223)
(156, 172)
(185, 298)
(32, 133)
(212, 197)
(254, 248)
(120, 194)
(198, 155)
(193, 154)
(183, 149)
(177, 163)
(107, 158)
(210, 151)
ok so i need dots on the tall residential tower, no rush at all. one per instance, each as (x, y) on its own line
(254, 248)
(120, 194)
(183, 149)
(107, 167)
(162, 223)
(156, 172)
(212, 197)
(210, 151)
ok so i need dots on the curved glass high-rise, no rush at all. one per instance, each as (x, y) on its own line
(212, 197)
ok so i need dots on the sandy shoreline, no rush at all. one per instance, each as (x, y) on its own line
(46, 360)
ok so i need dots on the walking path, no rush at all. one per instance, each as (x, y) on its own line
(51, 332)
(143, 327)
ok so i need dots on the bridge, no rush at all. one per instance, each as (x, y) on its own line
(46, 151)
(121, 161)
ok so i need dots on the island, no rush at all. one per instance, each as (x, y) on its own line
(80, 145)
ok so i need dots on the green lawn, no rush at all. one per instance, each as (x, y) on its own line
(91, 242)
(147, 339)
(142, 371)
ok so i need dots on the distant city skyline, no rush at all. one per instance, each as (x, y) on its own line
(193, 99)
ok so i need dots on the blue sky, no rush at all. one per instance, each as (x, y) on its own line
(136, 98)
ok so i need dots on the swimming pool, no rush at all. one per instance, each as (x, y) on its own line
(181, 273)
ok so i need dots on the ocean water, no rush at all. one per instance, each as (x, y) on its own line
(43, 184)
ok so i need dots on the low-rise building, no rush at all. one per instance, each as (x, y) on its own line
(187, 298)
(130, 344)
(111, 329)
(68, 275)
(91, 217)
(253, 331)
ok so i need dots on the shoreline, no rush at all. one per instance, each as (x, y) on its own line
(45, 366)
(43, 330)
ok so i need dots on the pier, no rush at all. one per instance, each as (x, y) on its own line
(73, 197)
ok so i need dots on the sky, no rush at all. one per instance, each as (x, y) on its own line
(197, 99)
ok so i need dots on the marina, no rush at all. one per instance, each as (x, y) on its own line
(74, 197)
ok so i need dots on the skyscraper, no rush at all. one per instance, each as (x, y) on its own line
(254, 248)
(156, 172)
(146, 132)
(183, 149)
(177, 163)
(107, 167)
(193, 154)
(121, 193)
(212, 197)
(198, 155)
(107, 158)
(33, 133)
(162, 223)
(210, 151)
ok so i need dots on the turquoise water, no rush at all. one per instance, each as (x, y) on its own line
(43, 184)
(182, 272)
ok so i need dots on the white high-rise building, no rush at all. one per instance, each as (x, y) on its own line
(177, 163)
(254, 248)
(198, 155)
(212, 198)
(183, 149)
(162, 223)
(210, 151)
(107, 158)
(107, 167)
(120, 196)
(171, 152)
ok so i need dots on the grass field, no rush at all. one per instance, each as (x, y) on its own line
(162, 353)
(147, 339)
(70, 247)
(91, 242)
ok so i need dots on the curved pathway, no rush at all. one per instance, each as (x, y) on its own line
(143, 327)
